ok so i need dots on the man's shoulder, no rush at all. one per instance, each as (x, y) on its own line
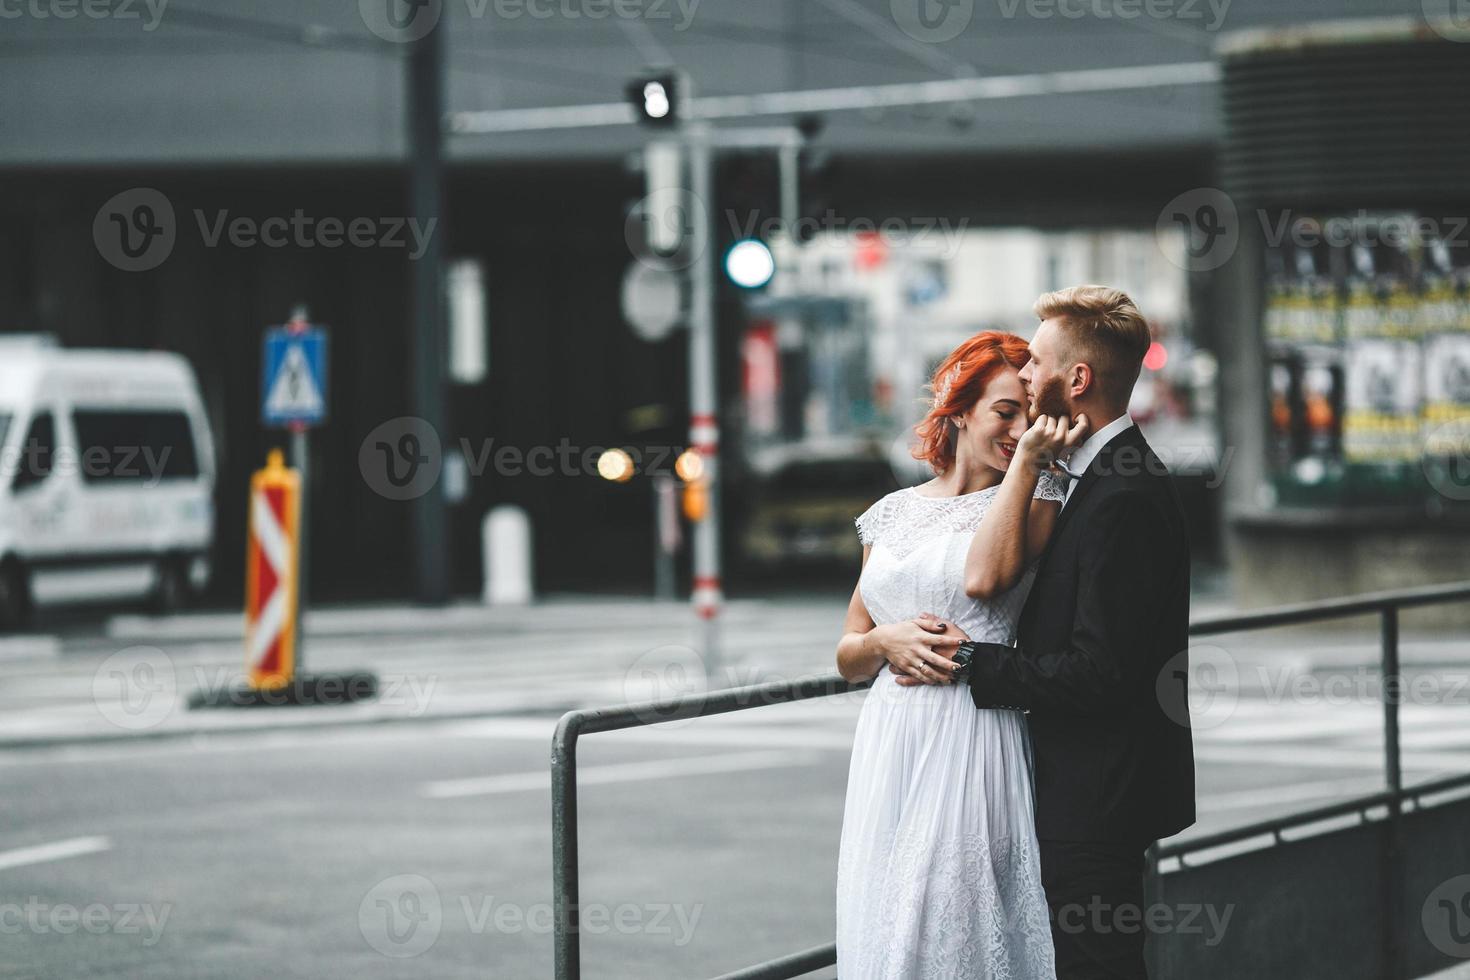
(1142, 497)
(1129, 454)
(1122, 496)
(1132, 466)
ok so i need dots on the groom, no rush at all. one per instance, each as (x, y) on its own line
(1109, 608)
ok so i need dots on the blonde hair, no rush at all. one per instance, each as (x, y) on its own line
(1103, 329)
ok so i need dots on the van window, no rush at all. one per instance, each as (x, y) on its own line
(33, 463)
(134, 445)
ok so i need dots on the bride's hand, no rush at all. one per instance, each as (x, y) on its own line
(1049, 437)
(916, 652)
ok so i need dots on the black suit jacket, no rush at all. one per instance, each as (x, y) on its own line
(1101, 663)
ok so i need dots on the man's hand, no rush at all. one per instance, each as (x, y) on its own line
(945, 635)
(1050, 437)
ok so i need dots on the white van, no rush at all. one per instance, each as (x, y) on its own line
(106, 477)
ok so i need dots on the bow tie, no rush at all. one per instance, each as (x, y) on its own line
(1071, 473)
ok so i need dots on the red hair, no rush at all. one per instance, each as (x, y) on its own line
(958, 383)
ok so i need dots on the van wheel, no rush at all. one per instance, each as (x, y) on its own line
(15, 596)
(171, 591)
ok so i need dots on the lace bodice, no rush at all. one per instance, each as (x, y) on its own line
(917, 564)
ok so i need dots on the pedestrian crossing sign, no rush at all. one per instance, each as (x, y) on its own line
(294, 385)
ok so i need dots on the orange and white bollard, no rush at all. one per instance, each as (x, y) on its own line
(271, 568)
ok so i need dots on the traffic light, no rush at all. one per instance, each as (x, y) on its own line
(696, 500)
(655, 99)
(689, 467)
(817, 169)
(749, 263)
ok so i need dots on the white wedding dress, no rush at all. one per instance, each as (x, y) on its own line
(938, 876)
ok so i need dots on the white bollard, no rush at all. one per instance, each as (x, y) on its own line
(505, 538)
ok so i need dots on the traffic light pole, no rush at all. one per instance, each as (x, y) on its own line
(704, 429)
(700, 143)
(665, 529)
(663, 101)
(300, 459)
(426, 174)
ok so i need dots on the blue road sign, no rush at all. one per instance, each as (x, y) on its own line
(294, 385)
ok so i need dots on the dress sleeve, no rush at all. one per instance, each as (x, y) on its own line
(1050, 486)
(869, 521)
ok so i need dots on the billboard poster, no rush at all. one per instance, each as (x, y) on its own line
(1284, 381)
(1446, 378)
(1383, 356)
(1445, 312)
(1321, 408)
(1381, 424)
(1303, 327)
(1302, 304)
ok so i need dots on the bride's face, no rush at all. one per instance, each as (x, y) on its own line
(995, 423)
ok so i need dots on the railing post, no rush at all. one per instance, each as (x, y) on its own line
(1392, 686)
(1393, 945)
(564, 886)
(1153, 894)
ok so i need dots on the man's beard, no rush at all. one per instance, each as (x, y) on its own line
(1050, 399)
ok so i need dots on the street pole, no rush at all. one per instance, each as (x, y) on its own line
(300, 319)
(298, 460)
(294, 396)
(425, 105)
(700, 141)
(665, 526)
(704, 430)
(789, 159)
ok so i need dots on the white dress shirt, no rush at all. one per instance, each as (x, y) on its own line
(1087, 452)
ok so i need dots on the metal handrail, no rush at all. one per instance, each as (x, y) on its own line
(573, 724)
(1320, 609)
(787, 966)
(1277, 826)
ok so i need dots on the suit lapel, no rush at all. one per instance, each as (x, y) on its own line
(1100, 465)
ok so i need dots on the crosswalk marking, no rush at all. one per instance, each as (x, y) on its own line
(54, 851)
(1268, 730)
(1327, 757)
(1439, 739)
(1245, 799)
(618, 773)
(30, 648)
(701, 732)
(504, 660)
(1261, 741)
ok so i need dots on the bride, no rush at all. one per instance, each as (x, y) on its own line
(938, 874)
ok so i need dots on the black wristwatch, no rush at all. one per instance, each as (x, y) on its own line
(963, 655)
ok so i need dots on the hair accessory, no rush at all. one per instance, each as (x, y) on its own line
(950, 378)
